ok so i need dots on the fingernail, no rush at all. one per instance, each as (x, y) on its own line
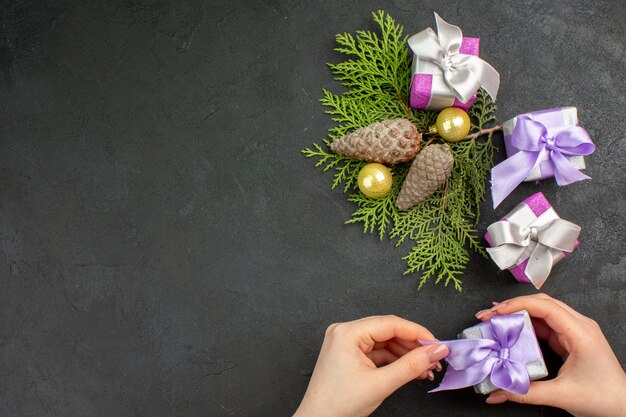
(431, 376)
(497, 307)
(496, 399)
(437, 352)
(439, 367)
(495, 303)
(481, 313)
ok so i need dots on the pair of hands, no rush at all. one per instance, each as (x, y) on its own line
(362, 362)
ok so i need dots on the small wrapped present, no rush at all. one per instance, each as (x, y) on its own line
(447, 70)
(539, 145)
(531, 239)
(502, 353)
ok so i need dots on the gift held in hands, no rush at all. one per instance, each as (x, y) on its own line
(500, 353)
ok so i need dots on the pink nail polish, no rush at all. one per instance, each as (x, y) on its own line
(437, 353)
(481, 313)
(497, 307)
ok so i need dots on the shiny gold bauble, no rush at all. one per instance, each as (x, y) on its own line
(375, 180)
(453, 124)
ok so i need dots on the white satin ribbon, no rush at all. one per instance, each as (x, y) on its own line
(542, 240)
(464, 74)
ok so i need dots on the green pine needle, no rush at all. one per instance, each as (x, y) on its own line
(377, 79)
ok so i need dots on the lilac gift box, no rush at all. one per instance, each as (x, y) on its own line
(428, 87)
(541, 144)
(525, 350)
(534, 212)
(554, 120)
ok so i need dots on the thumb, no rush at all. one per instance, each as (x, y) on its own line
(539, 393)
(410, 366)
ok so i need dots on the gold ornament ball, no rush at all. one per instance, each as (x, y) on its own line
(453, 124)
(375, 180)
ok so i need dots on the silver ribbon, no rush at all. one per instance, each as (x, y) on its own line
(463, 73)
(542, 245)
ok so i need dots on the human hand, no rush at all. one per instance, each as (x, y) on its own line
(591, 382)
(362, 362)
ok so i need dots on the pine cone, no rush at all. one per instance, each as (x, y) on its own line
(429, 171)
(387, 142)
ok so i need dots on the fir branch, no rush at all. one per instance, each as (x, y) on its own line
(377, 79)
(438, 254)
(378, 213)
(347, 174)
(440, 236)
(482, 110)
(347, 169)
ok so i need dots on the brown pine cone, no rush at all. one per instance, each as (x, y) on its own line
(429, 171)
(387, 142)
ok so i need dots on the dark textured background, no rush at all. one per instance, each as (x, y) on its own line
(168, 251)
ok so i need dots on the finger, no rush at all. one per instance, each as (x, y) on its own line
(558, 348)
(400, 351)
(430, 375)
(397, 349)
(570, 309)
(557, 318)
(408, 344)
(382, 357)
(539, 296)
(542, 330)
(380, 345)
(410, 366)
(539, 393)
(379, 329)
(562, 304)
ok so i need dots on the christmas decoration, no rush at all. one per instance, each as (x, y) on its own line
(540, 145)
(429, 171)
(389, 142)
(446, 69)
(452, 124)
(377, 79)
(501, 353)
(531, 239)
(375, 180)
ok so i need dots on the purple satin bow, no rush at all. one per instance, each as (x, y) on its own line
(532, 139)
(472, 360)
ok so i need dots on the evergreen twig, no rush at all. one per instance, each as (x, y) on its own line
(377, 79)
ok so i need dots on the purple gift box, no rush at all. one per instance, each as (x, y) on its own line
(526, 350)
(446, 69)
(531, 239)
(501, 353)
(539, 145)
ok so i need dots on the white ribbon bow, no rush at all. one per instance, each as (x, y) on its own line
(463, 73)
(541, 245)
